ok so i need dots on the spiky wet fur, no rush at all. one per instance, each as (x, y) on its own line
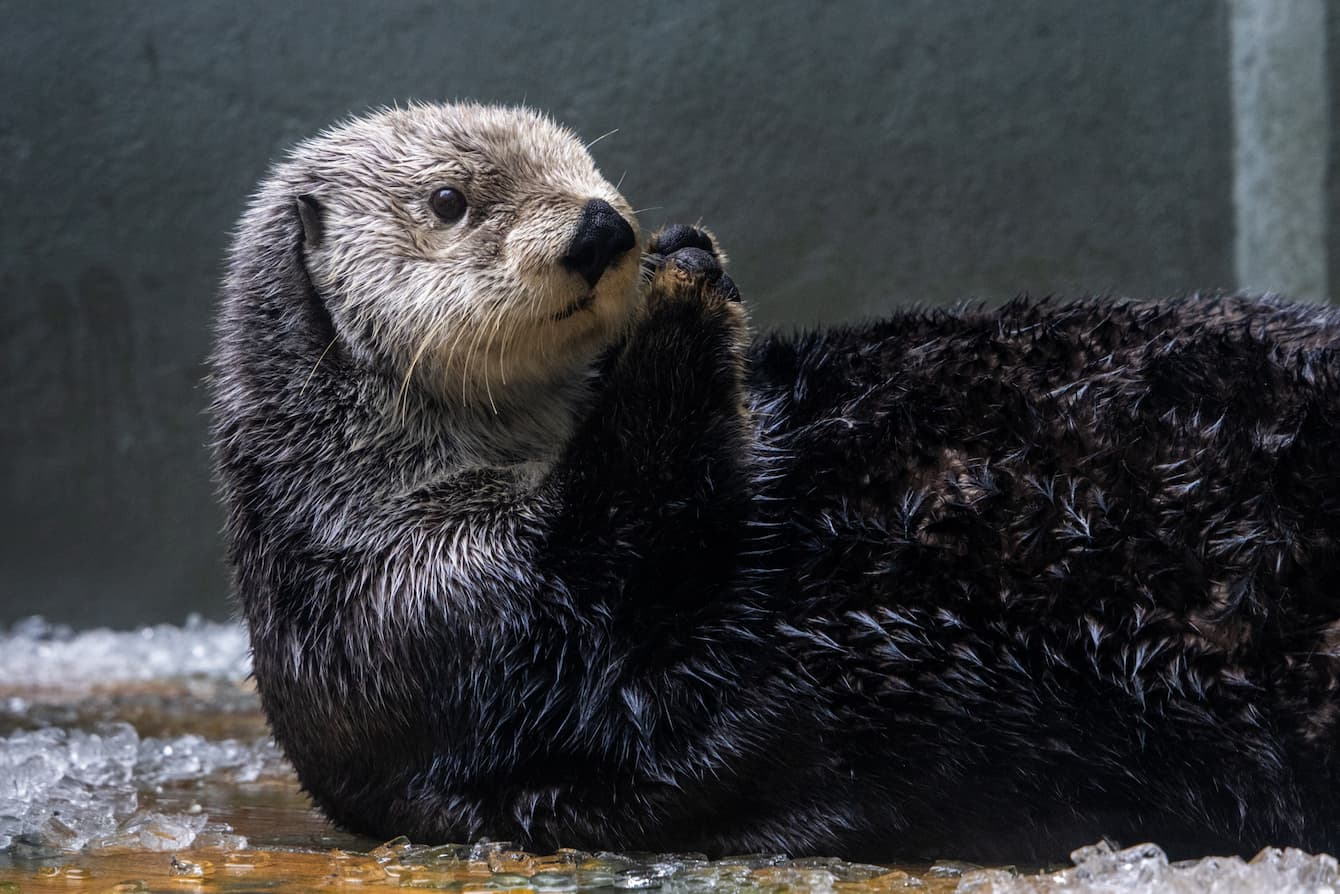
(986, 583)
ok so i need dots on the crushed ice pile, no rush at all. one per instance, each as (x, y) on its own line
(64, 790)
(1143, 869)
(36, 653)
(70, 790)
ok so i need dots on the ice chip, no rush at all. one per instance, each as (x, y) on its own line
(162, 761)
(512, 863)
(164, 832)
(220, 837)
(27, 776)
(67, 830)
(950, 869)
(393, 851)
(639, 878)
(550, 880)
(1292, 867)
(985, 881)
(355, 868)
(121, 741)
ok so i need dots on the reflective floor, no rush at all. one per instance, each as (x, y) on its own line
(140, 761)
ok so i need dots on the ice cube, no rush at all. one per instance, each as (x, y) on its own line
(950, 869)
(164, 832)
(355, 868)
(220, 836)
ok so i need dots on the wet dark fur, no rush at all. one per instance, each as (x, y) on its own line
(989, 584)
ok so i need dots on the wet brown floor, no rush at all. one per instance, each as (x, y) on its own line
(290, 847)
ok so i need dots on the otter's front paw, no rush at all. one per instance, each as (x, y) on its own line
(685, 262)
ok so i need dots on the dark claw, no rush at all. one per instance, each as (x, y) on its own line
(726, 286)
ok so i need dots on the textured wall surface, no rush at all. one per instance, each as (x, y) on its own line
(1333, 153)
(853, 157)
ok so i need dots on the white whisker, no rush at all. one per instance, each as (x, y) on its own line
(402, 401)
(601, 137)
(488, 344)
(480, 331)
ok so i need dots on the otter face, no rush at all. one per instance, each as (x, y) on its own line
(467, 247)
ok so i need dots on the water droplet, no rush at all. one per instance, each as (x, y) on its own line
(188, 869)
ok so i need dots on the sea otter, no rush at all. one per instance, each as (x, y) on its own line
(535, 541)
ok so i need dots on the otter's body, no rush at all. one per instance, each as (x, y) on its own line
(988, 583)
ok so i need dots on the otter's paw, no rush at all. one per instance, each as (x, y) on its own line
(685, 262)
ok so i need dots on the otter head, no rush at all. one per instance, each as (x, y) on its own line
(464, 248)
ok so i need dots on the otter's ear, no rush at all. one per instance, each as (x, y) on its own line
(309, 212)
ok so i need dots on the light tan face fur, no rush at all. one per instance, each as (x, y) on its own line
(477, 305)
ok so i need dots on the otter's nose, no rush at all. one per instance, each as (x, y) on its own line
(602, 236)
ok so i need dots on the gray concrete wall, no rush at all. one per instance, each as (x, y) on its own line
(853, 157)
(1333, 149)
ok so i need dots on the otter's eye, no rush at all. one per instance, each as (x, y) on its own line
(447, 204)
